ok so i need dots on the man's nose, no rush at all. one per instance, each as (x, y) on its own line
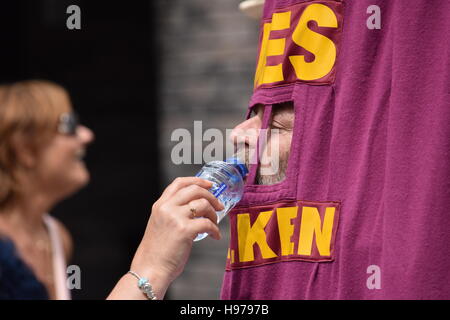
(246, 132)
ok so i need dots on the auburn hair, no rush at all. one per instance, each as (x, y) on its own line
(29, 110)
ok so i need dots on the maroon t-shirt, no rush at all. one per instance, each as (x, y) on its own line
(364, 212)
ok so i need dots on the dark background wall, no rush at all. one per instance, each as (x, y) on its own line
(110, 69)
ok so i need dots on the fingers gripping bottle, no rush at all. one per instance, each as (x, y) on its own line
(228, 184)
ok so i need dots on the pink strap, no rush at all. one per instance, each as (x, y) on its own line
(59, 261)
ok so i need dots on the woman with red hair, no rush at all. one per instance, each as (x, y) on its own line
(41, 162)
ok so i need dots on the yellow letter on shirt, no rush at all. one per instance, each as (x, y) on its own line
(249, 235)
(311, 224)
(272, 47)
(323, 48)
(286, 229)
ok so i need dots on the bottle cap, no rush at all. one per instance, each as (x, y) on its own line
(241, 167)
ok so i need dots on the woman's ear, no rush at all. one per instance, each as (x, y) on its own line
(25, 154)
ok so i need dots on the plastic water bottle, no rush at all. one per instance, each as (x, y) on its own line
(228, 184)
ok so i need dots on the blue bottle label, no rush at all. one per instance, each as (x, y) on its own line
(219, 190)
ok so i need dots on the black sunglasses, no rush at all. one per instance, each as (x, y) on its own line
(68, 123)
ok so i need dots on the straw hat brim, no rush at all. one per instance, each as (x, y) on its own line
(252, 8)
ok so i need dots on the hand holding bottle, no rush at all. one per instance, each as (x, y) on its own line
(171, 229)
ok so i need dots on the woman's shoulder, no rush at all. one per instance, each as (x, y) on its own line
(7, 248)
(17, 281)
(6, 245)
(65, 238)
(8, 256)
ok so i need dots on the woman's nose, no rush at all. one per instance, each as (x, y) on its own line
(85, 134)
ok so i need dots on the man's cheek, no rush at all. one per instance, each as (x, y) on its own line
(270, 163)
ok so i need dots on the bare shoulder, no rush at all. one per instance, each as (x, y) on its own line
(66, 238)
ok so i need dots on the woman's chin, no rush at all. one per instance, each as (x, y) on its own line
(79, 180)
(84, 178)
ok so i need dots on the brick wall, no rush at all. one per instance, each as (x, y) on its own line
(207, 51)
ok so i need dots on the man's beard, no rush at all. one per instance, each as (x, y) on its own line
(275, 178)
(266, 179)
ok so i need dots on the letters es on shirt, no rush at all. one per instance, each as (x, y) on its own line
(300, 43)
